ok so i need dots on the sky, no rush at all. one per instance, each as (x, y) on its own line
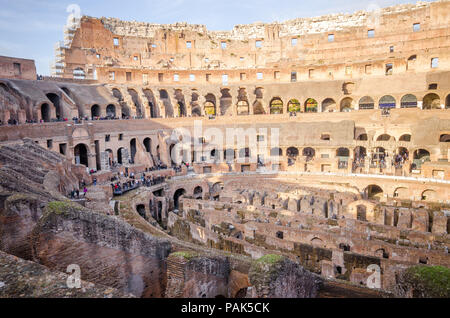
(30, 28)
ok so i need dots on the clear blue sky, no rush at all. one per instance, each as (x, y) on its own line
(30, 28)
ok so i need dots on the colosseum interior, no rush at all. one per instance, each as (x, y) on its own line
(178, 159)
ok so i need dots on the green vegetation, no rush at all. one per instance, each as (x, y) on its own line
(187, 255)
(270, 259)
(61, 207)
(432, 281)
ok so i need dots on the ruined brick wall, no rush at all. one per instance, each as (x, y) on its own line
(17, 68)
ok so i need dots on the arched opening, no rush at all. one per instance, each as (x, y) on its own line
(361, 213)
(133, 149)
(343, 152)
(405, 137)
(148, 144)
(431, 101)
(317, 242)
(258, 108)
(401, 156)
(276, 106)
(362, 137)
(95, 111)
(243, 107)
(294, 106)
(136, 101)
(198, 193)
(196, 112)
(56, 102)
(45, 112)
(385, 137)
(444, 138)
(111, 111)
(292, 154)
(329, 106)
(259, 92)
(210, 109)
(359, 160)
(180, 110)
(447, 101)
(366, 102)
(151, 103)
(81, 154)
(387, 102)
(110, 156)
(411, 63)
(381, 253)
(401, 193)
(429, 195)
(280, 235)
(420, 157)
(373, 192)
(176, 198)
(343, 155)
(347, 105)
(408, 101)
(378, 159)
(225, 102)
(119, 156)
(311, 106)
(308, 153)
(141, 211)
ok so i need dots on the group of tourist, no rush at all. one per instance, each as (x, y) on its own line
(120, 188)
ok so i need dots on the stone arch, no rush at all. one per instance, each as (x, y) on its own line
(405, 137)
(258, 108)
(294, 106)
(431, 101)
(362, 210)
(292, 152)
(140, 209)
(342, 152)
(346, 105)
(373, 192)
(176, 197)
(56, 101)
(164, 97)
(381, 253)
(243, 107)
(198, 192)
(154, 110)
(387, 101)
(420, 156)
(362, 137)
(311, 106)
(111, 111)
(225, 102)
(120, 159)
(401, 193)
(259, 92)
(81, 154)
(447, 101)
(408, 101)
(329, 105)
(366, 102)
(133, 149)
(309, 152)
(137, 102)
(317, 242)
(276, 106)
(46, 112)
(385, 137)
(444, 138)
(95, 111)
(429, 195)
(210, 105)
(148, 144)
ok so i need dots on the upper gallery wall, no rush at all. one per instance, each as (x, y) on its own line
(397, 39)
